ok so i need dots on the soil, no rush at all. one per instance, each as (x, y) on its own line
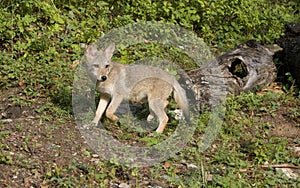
(35, 151)
(35, 148)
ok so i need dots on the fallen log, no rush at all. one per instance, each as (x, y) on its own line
(248, 66)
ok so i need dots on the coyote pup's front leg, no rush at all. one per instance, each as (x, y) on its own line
(104, 99)
(111, 109)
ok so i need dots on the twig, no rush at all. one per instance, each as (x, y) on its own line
(29, 148)
(280, 166)
(272, 166)
(246, 170)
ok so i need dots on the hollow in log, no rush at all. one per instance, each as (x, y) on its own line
(248, 66)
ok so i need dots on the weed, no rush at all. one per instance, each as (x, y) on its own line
(39, 42)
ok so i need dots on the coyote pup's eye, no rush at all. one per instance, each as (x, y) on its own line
(96, 66)
(106, 66)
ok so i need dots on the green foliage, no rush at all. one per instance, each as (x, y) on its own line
(224, 23)
(254, 141)
(39, 40)
(39, 43)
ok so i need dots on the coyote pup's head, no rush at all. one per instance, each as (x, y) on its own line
(99, 61)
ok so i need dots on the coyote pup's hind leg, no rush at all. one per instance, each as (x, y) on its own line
(158, 106)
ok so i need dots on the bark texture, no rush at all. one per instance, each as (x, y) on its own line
(248, 66)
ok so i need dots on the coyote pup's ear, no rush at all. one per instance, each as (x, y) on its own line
(109, 51)
(91, 52)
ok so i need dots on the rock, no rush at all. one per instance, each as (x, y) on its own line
(95, 155)
(124, 185)
(192, 166)
(288, 172)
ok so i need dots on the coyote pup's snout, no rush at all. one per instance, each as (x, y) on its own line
(116, 82)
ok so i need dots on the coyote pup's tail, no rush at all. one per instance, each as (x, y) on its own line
(182, 101)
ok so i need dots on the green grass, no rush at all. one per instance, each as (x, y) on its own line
(234, 159)
(40, 43)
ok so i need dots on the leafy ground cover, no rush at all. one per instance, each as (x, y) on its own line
(40, 145)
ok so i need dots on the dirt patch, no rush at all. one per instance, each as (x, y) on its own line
(40, 152)
(285, 120)
(282, 125)
(31, 150)
(285, 130)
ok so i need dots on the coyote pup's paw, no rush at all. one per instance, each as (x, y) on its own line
(113, 118)
(94, 123)
(150, 117)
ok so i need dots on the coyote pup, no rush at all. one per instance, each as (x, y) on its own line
(116, 82)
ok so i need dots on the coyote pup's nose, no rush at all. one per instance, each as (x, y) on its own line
(103, 78)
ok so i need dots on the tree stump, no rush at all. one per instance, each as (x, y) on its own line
(290, 56)
(246, 67)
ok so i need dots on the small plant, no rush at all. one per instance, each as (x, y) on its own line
(40, 51)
